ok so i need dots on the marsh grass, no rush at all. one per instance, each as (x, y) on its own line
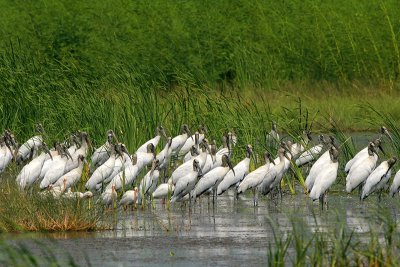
(335, 245)
(29, 211)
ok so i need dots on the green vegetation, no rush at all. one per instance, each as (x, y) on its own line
(123, 64)
(22, 211)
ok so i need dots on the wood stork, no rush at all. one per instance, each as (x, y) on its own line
(212, 179)
(162, 190)
(201, 133)
(318, 166)
(119, 164)
(275, 173)
(225, 150)
(160, 132)
(102, 154)
(72, 177)
(326, 177)
(210, 160)
(129, 198)
(360, 156)
(180, 140)
(126, 177)
(189, 155)
(254, 178)
(312, 153)
(187, 183)
(164, 157)
(5, 153)
(377, 180)
(186, 167)
(55, 154)
(104, 171)
(57, 169)
(298, 147)
(360, 171)
(149, 181)
(364, 152)
(272, 139)
(81, 151)
(30, 172)
(233, 178)
(394, 188)
(73, 144)
(145, 158)
(24, 151)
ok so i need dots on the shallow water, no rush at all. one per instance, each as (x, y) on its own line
(232, 233)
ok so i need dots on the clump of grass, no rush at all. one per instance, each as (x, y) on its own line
(22, 211)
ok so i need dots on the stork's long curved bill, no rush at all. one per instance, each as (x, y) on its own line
(381, 149)
(231, 167)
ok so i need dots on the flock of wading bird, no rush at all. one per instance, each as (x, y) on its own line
(204, 169)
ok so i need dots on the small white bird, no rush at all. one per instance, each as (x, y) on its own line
(360, 171)
(326, 177)
(211, 180)
(79, 195)
(394, 188)
(109, 196)
(255, 178)
(160, 132)
(102, 154)
(187, 183)
(233, 178)
(180, 140)
(129, 198)
(149, 181)
(378, 178)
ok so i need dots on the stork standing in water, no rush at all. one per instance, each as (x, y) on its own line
(318, 166)
(360, 171)
(233, 178)
(364, 152)
(186, 184)
(275, 173)
(149, 182)
(377, 180)
(160, 132)
(129, 198)
(211, 180)
(254, 179)
(326, 178)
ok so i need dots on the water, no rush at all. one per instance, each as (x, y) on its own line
(232, 233)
